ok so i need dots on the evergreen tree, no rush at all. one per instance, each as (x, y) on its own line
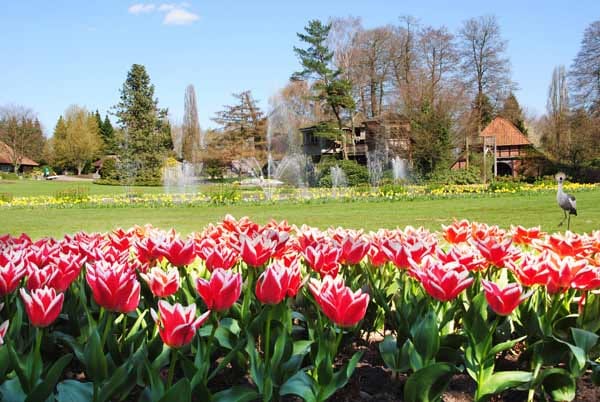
(512, 111)
(328, 87)
(147, 133)
(98, 119)
(107, 134)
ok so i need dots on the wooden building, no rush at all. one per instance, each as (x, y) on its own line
(389, 135)
(507, 143)
(6, 164)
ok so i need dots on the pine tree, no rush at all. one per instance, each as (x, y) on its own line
(107, 134)
(512, 111)
(147, 133)
(328, 86)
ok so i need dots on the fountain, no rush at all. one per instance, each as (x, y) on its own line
(399, 169)
(375, 166)
(338, 180)
(178, 177)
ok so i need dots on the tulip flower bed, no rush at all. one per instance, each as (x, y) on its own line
(242, 312)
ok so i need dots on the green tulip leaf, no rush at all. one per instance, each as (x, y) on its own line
(236, 394)
(94, 358)
(428, 384)
(74, 391)
(426, 338)
(559, 384)
(503, 380)
(180, 392)
(11, 391)
(586, 340)
(43, 390)
(300, 384)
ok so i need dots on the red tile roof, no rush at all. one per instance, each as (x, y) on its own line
(5, 159)
(505, 132)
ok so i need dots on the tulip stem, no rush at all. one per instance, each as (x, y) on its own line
(267, 346)
(107, 328)
(172, 368)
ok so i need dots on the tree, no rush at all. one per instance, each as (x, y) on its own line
(243, 132)
(556, 133)
(483, 62)
(21, 131)
(439, 58)
(328, 86)
(76, 139)
(147, 136)
(512, 111)
(191, 128)
(585, 71)
(107, 134)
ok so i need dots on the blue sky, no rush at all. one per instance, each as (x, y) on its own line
(57, 53)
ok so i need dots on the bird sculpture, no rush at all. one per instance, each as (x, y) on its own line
(565, 201)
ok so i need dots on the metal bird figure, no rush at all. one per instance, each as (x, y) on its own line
(565, 201)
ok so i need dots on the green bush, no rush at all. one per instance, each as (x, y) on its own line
(6, 197)
(9, 176)
(109, 169)
(223, 194)
(214, 168)
(355, 173)
(458, 176)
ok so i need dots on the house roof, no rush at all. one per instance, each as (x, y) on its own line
(505, 132)
(5, 159)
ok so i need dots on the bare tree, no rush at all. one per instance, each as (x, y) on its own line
(403, 58)
(439, 56)
(585, 71)
(556, 132)
(19, 130)
(190, 144)
(484, 64)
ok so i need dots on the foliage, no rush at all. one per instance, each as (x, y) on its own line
(511, 110)
(585, 71)
(147, 133)
(21, 131)
(213, 168)
(109, 169)
(76, 139)
(355, 173)
(458, 176)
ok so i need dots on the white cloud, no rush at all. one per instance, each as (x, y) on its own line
(167, 7)
(179, 16)
(140, 8)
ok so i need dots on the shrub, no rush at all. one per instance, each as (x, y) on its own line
(9, 176)
(214, 168)
(109, 169)
(458, 176)
(6, 197)
(355, 173)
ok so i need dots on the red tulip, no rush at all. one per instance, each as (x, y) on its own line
(342, 306)
(218, 255)
(277, 282)
(38, 278)
(42, 306)
(402, 252)
(68, 267)
(442, 281)
(353, 249)
(463, 255)
(178, 252)
(521, 235)
(221, 291)
(458, 232)
(562, 272)
(567, 245)
(532, 270)
(3, 329)
(256, 251)
(161, 283)
(148, 250)
(323, 258)
(503, 301)
(496, 251)
(114, 286)
(177, 324)
(42, 255)
(11, 274)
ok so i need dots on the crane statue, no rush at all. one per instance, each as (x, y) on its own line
(565, 201)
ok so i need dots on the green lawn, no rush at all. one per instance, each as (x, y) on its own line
(28, 188)
(526, 210)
